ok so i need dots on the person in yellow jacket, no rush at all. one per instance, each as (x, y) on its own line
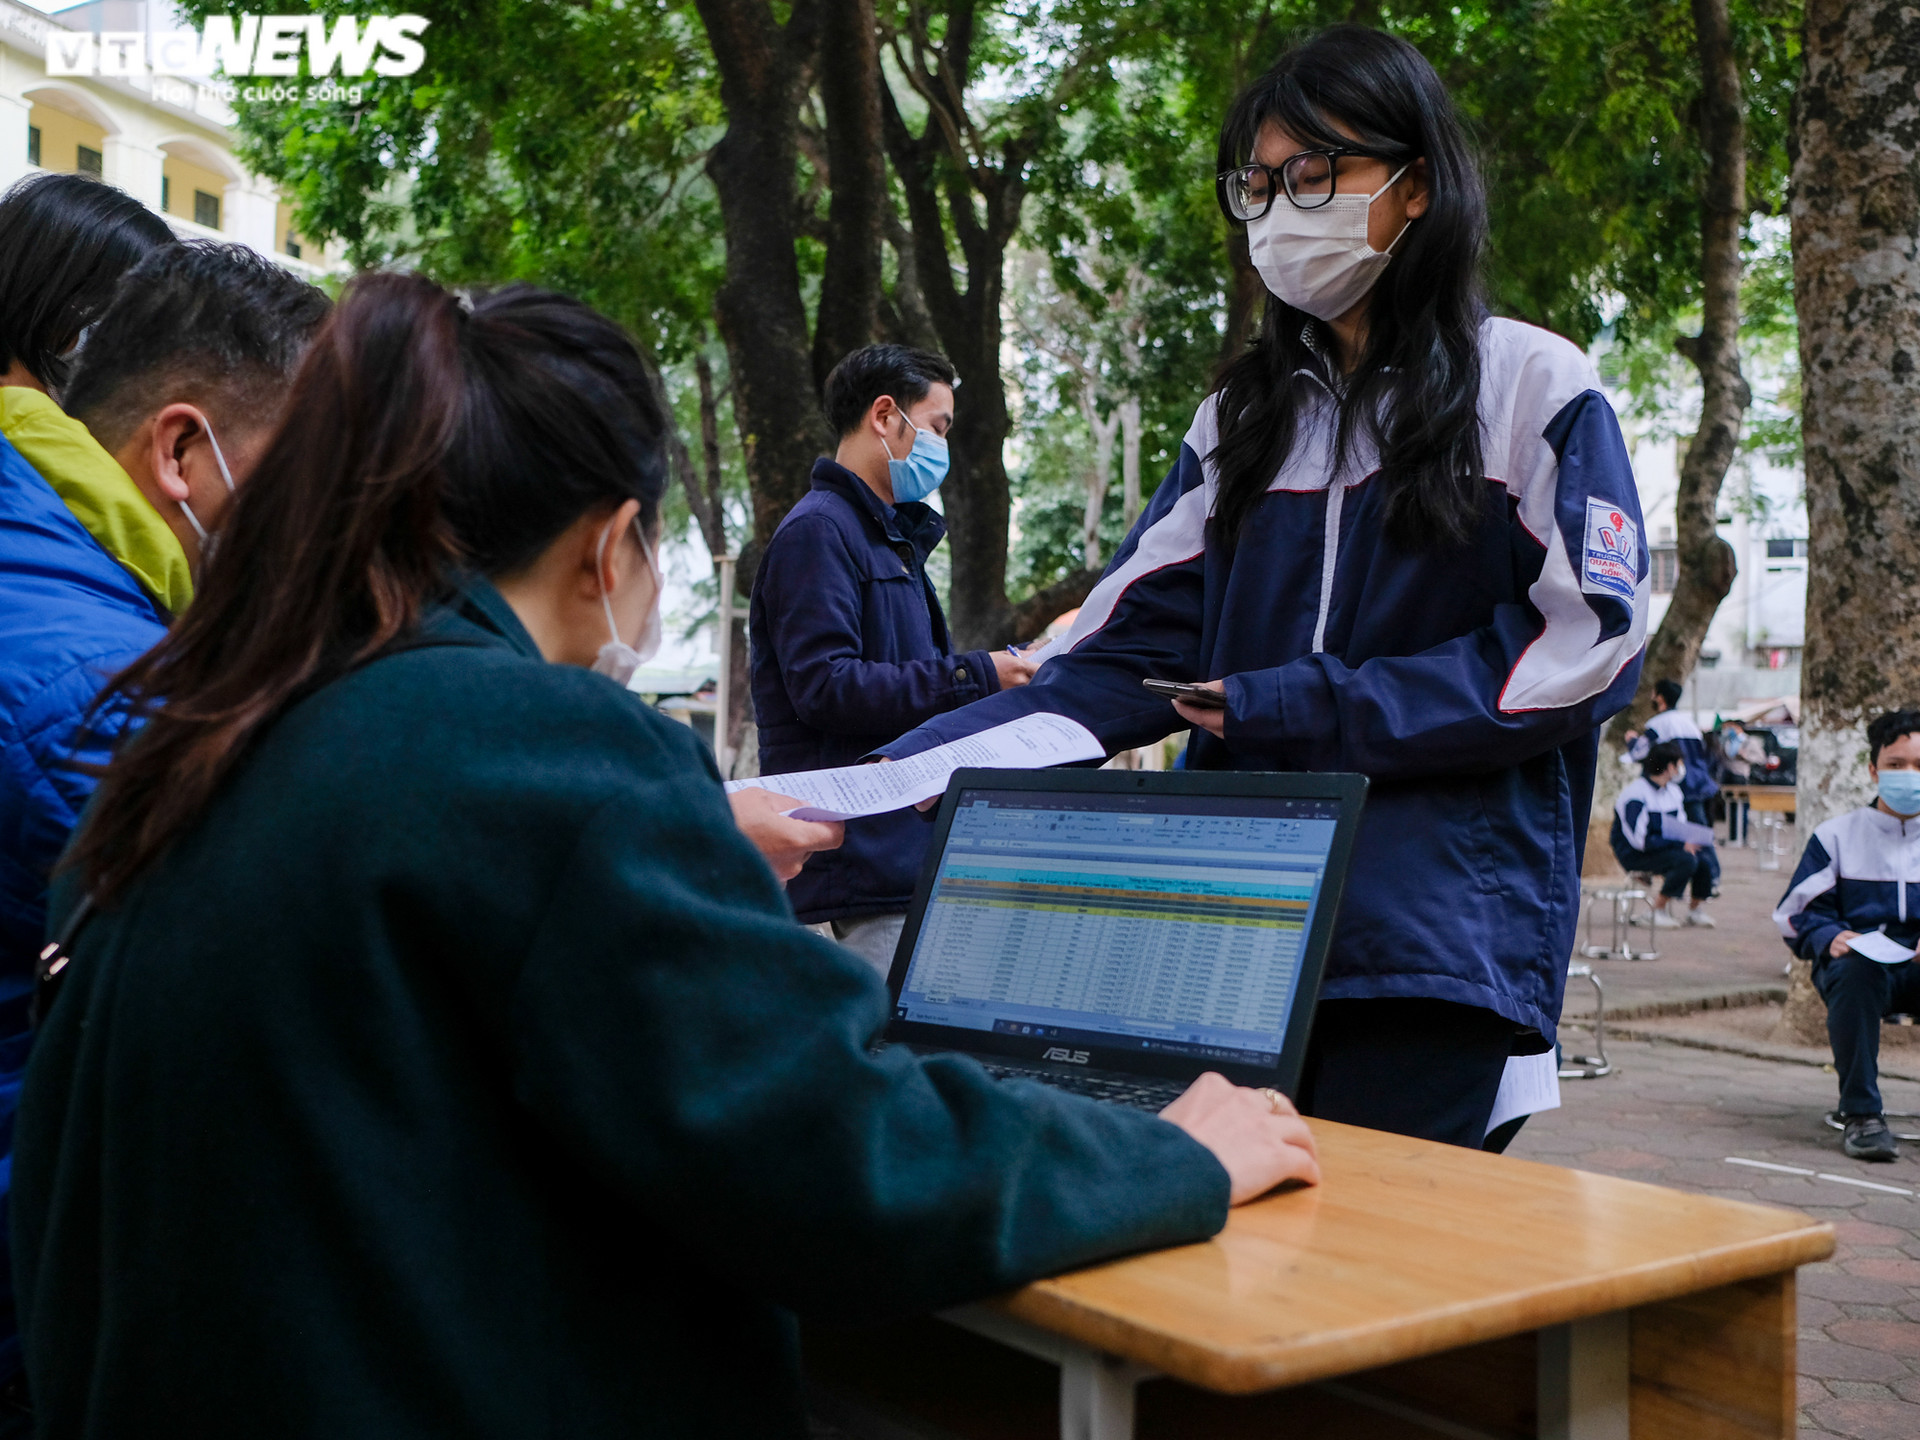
(101, 508)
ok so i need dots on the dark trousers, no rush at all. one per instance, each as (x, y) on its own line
(1676, 868)
(1428, 1068)
(1859, 992)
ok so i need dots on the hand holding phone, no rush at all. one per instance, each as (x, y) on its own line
(1201, 697)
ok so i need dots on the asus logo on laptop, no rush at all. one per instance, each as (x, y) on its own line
(1072, 1057)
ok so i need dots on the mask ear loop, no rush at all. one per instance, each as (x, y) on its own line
(1383, 190)
(600, 574)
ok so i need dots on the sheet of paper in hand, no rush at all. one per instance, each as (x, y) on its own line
(1686, 832)
(1032, 742)
(1876, 946)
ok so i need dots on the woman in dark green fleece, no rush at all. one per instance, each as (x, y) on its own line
(440, 1060)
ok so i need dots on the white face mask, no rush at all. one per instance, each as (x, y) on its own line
(618, 660)
(1319, 260)
(206, 545)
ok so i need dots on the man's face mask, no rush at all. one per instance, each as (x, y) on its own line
(920, 474)
(1900, 791)
(618, 660)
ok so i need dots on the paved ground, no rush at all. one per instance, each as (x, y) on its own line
(1675, 1116)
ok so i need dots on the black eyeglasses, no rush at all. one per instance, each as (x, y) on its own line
(1306, 179)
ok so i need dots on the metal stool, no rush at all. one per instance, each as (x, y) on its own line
(1619, 900)
(1588, 1067)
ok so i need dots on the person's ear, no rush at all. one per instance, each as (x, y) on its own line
(880, 416)
(608, 559)
(1873, 772)
(175, 428)
(1419, 195)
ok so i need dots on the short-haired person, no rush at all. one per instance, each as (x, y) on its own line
(1403, 538)
(850, 648)
(436, 1057)
(1860, 874)
(1643, 842)
(1669, 725)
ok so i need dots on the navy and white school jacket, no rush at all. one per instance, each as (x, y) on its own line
(1468, 683)
(1670, 727)
(1639, 818)
(1860, 871)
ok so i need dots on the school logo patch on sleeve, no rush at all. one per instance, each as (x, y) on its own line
(1611, 565)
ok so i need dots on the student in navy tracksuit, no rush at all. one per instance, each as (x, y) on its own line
(849, 645)
(1404, 540)
(1861, 873)
(1668, 726)
(1643, 840)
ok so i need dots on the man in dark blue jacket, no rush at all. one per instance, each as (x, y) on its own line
(850, 647)
(1857, 890)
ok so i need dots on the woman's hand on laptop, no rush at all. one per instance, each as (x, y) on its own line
(1256, 1134)
(785, 842)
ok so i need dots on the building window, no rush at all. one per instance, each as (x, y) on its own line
(33, 144)
(90, 162)
(1666, 568)
(293, 246)
(166, 194)
(206, 209)
(1786, 549)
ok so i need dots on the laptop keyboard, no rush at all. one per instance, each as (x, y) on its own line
(1150, 1095)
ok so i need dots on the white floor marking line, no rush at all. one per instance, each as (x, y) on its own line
(1864, 1184)
(1769, 1165)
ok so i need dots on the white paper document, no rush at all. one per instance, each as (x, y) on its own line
(1686, 832)
(1032, 742)
(1876, 946)
(1530, 1084)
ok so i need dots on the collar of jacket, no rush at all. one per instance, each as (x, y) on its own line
(101, 495)
(908, 523)
(474, 613)
(1891, 825)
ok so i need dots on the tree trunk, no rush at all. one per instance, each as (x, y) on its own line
(982, 195)
(1129, 462)
(759, 308)
(850, 291)
(1856, 272)
(1706, 562)
(1099, 473)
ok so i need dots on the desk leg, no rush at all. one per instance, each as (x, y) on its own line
(1096, 1389)
(1584, 1376)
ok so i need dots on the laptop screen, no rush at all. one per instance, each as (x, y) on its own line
(1170, 923)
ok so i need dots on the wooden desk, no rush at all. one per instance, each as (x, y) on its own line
(1421, 1290)
(1779, 799)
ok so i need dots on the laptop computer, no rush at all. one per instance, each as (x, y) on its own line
(1118, 933)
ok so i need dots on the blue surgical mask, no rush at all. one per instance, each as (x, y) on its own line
(1900, 791)
(920, 474)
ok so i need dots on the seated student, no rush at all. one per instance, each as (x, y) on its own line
(1668, 725)
(434, 1056)
(1861, 873)
(849, 645)
(1645, 806)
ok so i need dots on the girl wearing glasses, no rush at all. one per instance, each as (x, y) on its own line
(1402, 538)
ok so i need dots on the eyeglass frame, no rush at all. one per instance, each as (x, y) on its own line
(1277, 180)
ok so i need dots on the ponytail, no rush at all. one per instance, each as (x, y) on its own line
(422, 438)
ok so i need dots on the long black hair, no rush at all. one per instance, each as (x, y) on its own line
(1416, 388)
(65, 241)
(425, 435)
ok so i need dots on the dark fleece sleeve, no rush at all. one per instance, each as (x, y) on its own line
(708, 1056)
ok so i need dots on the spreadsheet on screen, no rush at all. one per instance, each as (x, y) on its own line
(1175, 921)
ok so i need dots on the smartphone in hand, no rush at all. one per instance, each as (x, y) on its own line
(1201, 697)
